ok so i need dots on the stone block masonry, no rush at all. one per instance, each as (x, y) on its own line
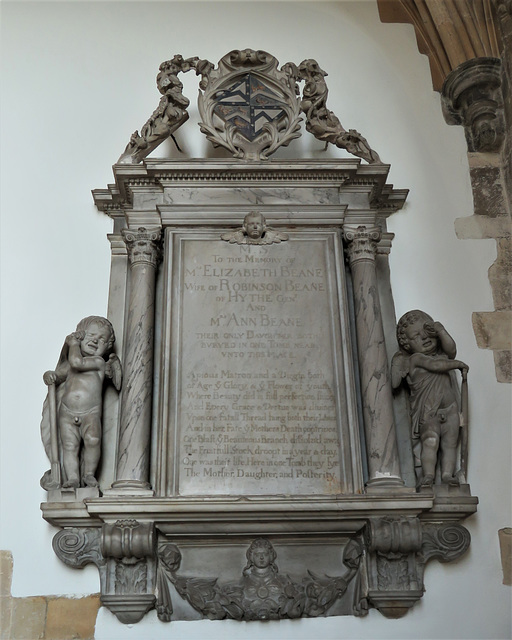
(43, 617)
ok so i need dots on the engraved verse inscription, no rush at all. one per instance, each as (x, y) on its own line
(257, 404)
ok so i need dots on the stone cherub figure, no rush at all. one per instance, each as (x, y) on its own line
(265, 593)
(426, 361)
(71, 423)
(254, 231)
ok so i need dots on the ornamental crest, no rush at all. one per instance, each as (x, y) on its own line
(249, 106)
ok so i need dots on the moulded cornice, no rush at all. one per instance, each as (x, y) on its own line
(347, 174)
(241, 515)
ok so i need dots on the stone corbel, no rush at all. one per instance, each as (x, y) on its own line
(124, 553)
(394, 582)
(471, 96)
(398, 550)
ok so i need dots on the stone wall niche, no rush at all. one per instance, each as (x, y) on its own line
(254, 458)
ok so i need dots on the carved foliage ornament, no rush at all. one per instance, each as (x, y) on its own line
(322, 122)
(362, 243)
(262, 593)
(143, 246)
(248, 106)
(170, 114)
(384, 568)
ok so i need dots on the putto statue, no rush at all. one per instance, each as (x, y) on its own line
(254, 231)
(71, 423)
(426, 361)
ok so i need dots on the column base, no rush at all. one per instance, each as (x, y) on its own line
(388, 484)
(129, 488)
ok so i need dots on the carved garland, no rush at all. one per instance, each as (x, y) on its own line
(262, 593)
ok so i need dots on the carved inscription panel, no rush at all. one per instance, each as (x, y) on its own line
(258, 399)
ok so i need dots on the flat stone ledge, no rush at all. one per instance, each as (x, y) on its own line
(493, 329)
(217, 517)
(482, 227)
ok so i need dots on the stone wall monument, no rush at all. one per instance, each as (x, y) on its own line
(256, 462)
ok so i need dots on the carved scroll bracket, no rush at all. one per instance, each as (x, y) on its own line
(398, 550)
(130, 547)
(123, 553)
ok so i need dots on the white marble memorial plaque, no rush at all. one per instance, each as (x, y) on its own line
(257, 397)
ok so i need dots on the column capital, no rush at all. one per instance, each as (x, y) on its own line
(143, 246)
(362, 243)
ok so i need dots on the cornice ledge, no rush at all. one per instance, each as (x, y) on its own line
(202, 170)
(235, 511)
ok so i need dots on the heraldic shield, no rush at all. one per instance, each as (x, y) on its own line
(248, 105)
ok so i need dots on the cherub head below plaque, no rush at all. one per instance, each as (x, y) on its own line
(254, 231)
(261, 557)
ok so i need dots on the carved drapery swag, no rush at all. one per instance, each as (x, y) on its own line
(262, 593)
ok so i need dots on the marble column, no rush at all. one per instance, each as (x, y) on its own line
(377, 399)
(144, 250)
